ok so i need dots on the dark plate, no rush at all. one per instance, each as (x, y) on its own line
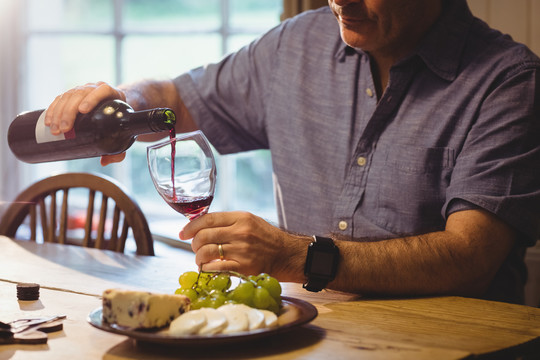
(294, 313)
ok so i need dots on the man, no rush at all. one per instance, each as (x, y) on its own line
(406, 134)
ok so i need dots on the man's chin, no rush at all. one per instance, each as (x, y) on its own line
(354, 39)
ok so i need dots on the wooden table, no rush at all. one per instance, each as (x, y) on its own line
(347, 327)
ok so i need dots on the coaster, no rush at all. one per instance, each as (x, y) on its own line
(27, 291)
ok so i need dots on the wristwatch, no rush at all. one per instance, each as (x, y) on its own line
(321, 263)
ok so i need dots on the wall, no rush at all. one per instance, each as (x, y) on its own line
(519, 18)
(294, 7)
(9, 175)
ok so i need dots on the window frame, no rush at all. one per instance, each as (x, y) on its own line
(22, 175)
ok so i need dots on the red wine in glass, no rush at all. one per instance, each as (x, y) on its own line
(190, 207)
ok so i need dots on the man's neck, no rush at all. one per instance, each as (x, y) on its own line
(383, 59)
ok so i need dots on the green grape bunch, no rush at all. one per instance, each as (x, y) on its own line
(213, 289)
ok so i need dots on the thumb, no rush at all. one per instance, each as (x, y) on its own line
(109, 159)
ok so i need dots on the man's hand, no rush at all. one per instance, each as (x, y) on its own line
(250, 245)
(62, 112)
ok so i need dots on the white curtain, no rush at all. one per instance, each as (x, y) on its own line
(10, 40)
(294, 7)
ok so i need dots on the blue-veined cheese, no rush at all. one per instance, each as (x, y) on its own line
(139, 309)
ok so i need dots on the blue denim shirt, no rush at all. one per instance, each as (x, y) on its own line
(458, 126)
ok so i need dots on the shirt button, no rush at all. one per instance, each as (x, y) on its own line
(361, 161)
(369, 92)
(343, 225)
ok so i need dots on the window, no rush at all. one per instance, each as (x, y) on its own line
(71, 42)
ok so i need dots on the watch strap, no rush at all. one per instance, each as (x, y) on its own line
(316, 283)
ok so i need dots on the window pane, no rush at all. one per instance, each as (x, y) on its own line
(57, 63)
(89, 165)
(140, 177)
(255, 14)
(254, 183)
(70, 14)
(167, 56)
(172, 15)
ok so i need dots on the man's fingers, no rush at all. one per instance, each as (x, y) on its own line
(61, 114)
(208, 259)
(229, 265)
(68, 112)
(206, 253)
(209, 220)
(100, 91)
(109, 159)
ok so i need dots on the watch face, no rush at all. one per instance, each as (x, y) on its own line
(322, 263)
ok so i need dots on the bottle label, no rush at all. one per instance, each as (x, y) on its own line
(43, 132)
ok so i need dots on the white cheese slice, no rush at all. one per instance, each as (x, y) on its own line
(237, 319)
(188, 323)
(216, 321)
(270, 318)
(255, 316)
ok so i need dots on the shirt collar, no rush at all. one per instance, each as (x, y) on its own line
(442, 48)
(343, 50)
(443, 45)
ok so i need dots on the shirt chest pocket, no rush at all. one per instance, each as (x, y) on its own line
(408, 185)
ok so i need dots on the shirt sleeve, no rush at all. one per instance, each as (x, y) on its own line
(227, 99)
(498, 168)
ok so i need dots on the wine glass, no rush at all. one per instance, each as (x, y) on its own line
(183, 170)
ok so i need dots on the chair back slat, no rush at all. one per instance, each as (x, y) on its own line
(44, 222)
(33, 222)
(51, 234)
(87, 241)
(123, 237)
(100, 240)
(63, 217)
(113, 241)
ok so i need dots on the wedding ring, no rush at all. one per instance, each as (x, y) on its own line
(220, 249)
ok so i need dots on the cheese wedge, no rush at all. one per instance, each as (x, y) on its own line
(138, 309)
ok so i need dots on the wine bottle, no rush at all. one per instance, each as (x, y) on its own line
(111, 128)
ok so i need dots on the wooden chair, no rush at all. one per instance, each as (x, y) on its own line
(41, 198)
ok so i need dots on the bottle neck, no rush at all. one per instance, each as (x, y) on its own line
(149, 121)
